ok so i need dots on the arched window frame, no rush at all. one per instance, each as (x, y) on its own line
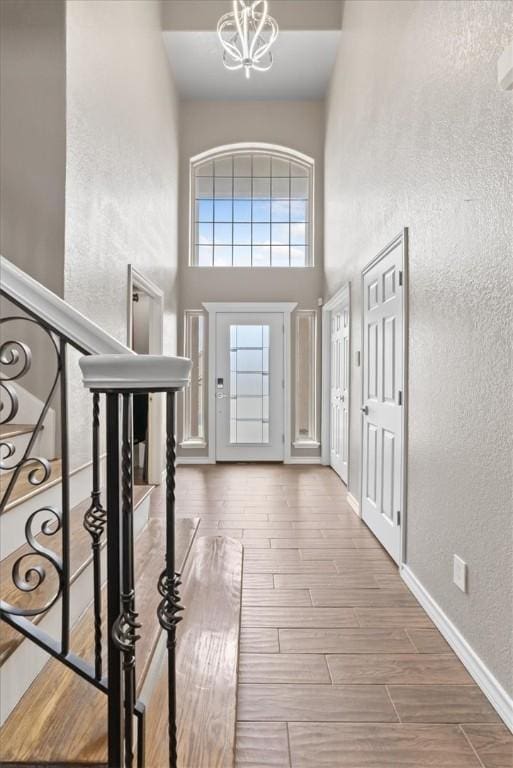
(245, 148)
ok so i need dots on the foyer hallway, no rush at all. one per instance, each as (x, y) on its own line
(339, 665)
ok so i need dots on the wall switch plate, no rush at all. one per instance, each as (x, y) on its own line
(459, 575)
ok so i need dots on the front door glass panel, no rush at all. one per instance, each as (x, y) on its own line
(249, 384)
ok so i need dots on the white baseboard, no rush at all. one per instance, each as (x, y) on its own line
(302, 460)
(193, 460)
(500, 700)
(354, 503)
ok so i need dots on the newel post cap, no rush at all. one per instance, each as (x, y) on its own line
(132, 373)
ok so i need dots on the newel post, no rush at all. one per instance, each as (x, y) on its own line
(119, 377)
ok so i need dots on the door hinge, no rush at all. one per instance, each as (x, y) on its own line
(400, 277)
(283, 383)
(398, 517)
(283, 439)
(399, 397)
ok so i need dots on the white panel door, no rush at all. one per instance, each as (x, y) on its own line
(249, 386)
(339, 391)
(382, 396)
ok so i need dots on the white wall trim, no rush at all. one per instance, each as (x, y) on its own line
(353, 503)
(341, 297)
(194, 460)
(243, 147)
(501, 701)
(305, 444)
(213, 308)
(303, 460)
(26, 292)
(286, 307)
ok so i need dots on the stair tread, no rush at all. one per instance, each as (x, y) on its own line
(67, 715)
(80, 556)
(13, 430)
(23, 489)
(206, 663)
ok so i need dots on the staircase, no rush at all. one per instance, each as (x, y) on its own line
(119, 624)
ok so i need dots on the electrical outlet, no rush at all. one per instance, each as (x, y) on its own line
(459, 575)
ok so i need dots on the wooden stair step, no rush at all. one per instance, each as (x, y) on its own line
(62, 718)
(206, 662)
(23, 489)
(80, 557)
(8, 431)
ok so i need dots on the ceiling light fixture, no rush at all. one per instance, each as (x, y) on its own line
(246, 34)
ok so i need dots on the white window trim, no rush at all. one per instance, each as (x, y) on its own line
(243, 148)
(213, 307)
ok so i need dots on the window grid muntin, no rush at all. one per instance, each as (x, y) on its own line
(295, 249)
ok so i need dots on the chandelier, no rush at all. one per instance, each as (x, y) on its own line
(246, 34)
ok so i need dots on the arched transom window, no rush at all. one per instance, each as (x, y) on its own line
(251, 207)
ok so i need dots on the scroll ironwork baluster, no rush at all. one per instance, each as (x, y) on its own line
(125, 628)
(169, 581)
(94, 523)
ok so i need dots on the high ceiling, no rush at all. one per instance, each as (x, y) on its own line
(303, 62)
(304, 53)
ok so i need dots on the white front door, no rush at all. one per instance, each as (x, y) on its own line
(249, 386)
(339, 391)
(382, 396)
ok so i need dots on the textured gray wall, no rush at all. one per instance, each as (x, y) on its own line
(33, 137)
(32, 160)
(419, 135)
(122, 170)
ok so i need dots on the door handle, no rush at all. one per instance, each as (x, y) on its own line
(220, 395)
(365, 409)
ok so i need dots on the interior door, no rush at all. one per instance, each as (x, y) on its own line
(382, 396)
(339, 392)
(249, 387)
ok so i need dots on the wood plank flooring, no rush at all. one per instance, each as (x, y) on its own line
(206, 663)
(339, 666)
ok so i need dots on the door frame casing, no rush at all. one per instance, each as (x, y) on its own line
(236, 307)
(341, 297)
(139, 282)
(402, 239)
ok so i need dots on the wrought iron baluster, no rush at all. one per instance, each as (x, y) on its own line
(94, 523)
(125, 628)
(169, 581)
(115, 678)
(65, 621)
(141, 734)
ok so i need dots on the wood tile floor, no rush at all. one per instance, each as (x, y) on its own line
(339, 665)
